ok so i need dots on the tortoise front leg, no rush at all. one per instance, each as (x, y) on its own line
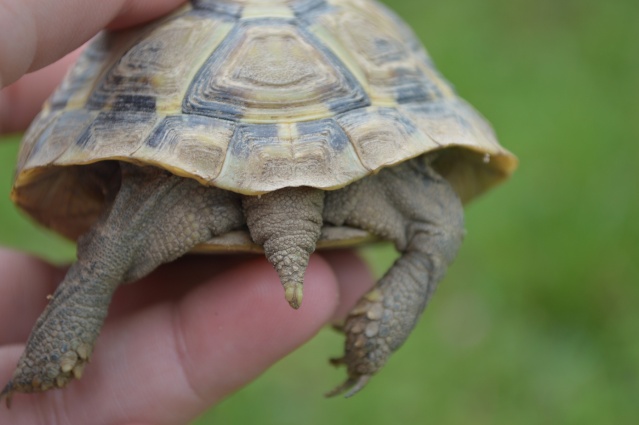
(155, 218)
(418, 210)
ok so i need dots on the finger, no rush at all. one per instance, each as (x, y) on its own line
(25, 283)
(22, 100)
(172, 281)
(354, 276)
(37, 33)
(168, 363)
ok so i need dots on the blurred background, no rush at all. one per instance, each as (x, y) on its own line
(538, 318)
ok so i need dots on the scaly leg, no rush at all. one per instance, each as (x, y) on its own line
(418, 210)
(155, 218)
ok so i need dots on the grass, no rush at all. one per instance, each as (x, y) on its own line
(537, 319)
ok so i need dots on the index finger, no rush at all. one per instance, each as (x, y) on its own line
(36, 33)
(22, 100)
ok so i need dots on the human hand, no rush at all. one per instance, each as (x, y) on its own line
(176, 342)
(189, 334)
(36, 34)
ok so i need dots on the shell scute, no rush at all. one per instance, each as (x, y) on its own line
(101, 139)
(262, 157)
(268, 71)
(374, 44)
(193, 145)
(43, 122)
(155, 73)
(59, 136)
(382, 136)
(244, 8)
(79, 81)
(452, 123)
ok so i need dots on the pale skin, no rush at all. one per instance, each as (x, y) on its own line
(155, 311)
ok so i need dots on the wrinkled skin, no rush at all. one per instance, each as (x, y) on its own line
(156, 217)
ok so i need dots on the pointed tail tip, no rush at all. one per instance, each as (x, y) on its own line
(294, 293)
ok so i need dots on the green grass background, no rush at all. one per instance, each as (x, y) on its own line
(537, 320)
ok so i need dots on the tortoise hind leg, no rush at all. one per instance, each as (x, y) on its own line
(418, 210)
(155, 218)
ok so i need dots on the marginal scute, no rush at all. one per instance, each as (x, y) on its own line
(264, 157)
(268, 71)
(111, 135)
(452, 123)
(193, 145)
(466, 142)
(43, 122)
(382, 136)
(59, 136)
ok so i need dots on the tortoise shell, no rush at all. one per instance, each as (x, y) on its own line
(251, 96)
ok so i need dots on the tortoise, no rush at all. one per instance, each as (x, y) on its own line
(284, 126)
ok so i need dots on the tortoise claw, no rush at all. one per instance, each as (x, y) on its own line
(350, 387)
(7, 393)
(339, 326)
(337, 361)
